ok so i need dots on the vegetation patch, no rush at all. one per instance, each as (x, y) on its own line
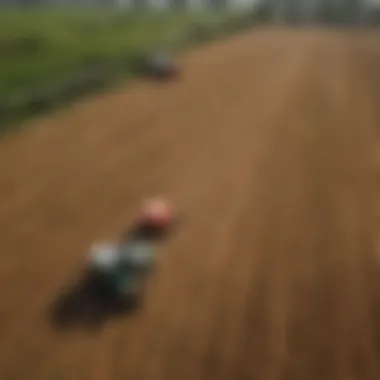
(50, 57)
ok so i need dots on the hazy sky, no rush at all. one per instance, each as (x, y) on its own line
(235, 3)
(194, 3)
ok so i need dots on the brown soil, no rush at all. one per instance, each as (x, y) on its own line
(268, 144)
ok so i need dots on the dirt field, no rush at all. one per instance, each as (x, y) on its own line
(269, 145)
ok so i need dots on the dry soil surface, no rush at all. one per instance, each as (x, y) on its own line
(268, 144)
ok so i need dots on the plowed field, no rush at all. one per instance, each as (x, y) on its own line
(269, 145)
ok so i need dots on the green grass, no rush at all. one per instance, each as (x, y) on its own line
(50, 57)
(37, 46)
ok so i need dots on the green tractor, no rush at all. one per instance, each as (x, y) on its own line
(122, 269)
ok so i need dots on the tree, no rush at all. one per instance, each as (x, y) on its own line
(139, 4)
(178, 4)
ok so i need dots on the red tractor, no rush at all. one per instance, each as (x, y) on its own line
(122, 267)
